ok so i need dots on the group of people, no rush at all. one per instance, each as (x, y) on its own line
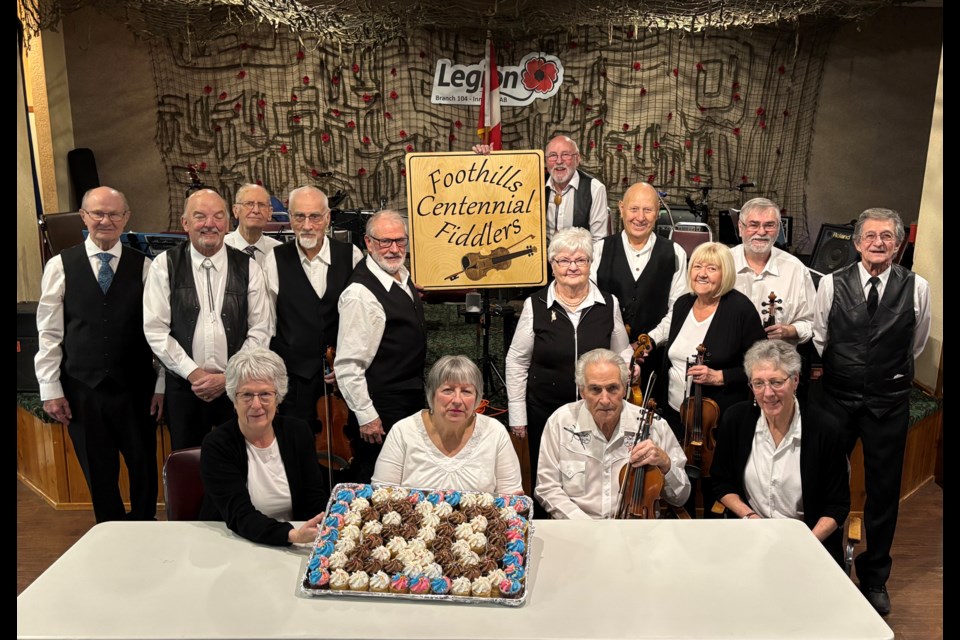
(241, 325)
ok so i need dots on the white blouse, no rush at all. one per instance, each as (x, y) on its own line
(487, 462)
(684, 346)
(267, 482)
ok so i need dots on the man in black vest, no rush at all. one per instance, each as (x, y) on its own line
(202, 302)
(574, 198)
(871, 321)
(382, 344)
(94, 366)
(646, 273)
(253, 211)
(304, 280)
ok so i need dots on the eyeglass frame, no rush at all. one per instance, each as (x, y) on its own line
(566, 156)
(566, 263)
(113, 216)
(761, 385)
(872, 236)
(313, 218)
(250, 205)
(266, 398)
(400, 242)
(755, 225)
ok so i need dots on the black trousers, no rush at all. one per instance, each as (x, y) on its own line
(301, 400)
(391, 407)
(884, 440)
(697, 482)
(189, 417)
(108, 421)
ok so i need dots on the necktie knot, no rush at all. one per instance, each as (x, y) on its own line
(250, 250)
(105, 274)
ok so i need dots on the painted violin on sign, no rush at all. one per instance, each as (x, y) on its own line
(477, 265)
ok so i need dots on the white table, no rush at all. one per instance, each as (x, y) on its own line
(610, 579)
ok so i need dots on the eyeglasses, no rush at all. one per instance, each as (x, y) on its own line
(776, 384)
(566, 263)
(314, 218)
(250, 205)
(265, 397)
(114, 216)
(384, 243)
(753, 225)
(870, 237)
(566, 156)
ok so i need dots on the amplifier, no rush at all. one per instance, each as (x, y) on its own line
(834, 249)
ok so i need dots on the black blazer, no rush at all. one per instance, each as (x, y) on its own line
(823, 465)
(735, 328)
(223, 468)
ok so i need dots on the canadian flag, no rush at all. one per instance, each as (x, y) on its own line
(489, 126)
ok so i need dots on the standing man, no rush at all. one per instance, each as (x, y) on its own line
(871, 321)
(253, 211)
(382, 344)
(304, 280)
(646, 273)
(762, 268)
(202, 303)
(94, 366)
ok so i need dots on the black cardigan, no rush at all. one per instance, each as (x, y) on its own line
(735, 328)
(823, 465)
(223, 467)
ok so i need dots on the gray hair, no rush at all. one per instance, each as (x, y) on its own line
(303, 190)
(571, 240)
(386, 214)
(453, 369)
(256, 363)
(246, 187)
(83, 202)
(597, 356)
(879, 214)
(776, 353)
(756, 205)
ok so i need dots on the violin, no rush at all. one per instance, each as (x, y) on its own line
(643, 345)
(699, 417)
(333, 446)
(640, 487)
(772, 307)
(477, 265)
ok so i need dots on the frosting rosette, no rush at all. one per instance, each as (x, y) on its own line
(440, 586)
(419, 584)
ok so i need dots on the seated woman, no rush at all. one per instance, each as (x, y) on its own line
(778, 460)
(260, 469)
(450, 446)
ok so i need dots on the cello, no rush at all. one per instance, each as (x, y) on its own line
(640, 487)
(333, 448)
(699, 417)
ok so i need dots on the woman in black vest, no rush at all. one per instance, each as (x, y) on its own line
(559, 323)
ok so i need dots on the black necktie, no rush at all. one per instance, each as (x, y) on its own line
(873, 298)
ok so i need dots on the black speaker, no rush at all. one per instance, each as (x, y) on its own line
(27, 347)
(834, 249)
(727, 227)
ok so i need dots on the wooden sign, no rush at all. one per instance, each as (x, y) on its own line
(476, 221)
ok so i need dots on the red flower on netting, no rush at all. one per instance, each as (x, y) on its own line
(217, 128)
(203, 166)
(259, 115)
(619, 147)
(598, 122)
(423, 54)
(643, 91)
(587, 107)
(696, 179)
(626, 127)
(367, 97)
(351, 125)
(572, 44)
(670, 116)
(237, 106)
(259, 183)
(458, 124)
(736, 97)
(539, 75)
(744, 178)
(736, 85)
(325, 137)
(786, 112)
(301, 55)
(336, 113)
(293, 97)
(361, 171)
(638, 147)
(244, 46)
(702, 108)
(760, 111)
(393, 71)
(673, 172)
(409, 148)
(699, 66)
(355, 68)
(283, 148)
(603, 73)
(709, 152)
(623, 180)
(688, 143)
(656, 144)
(335, 80)
(452, 138)
(637, 66)
(403, 171)
(314, 173)
(241, 74)
(592, 144)
(781, 69)
(222, 96)
(261, 103)
(651, 177)
(208, 89)
(387, 115)
(365, 139)
(575, 102)
(296, 119)
(736, 131)
(763, 124)
(403, 134)
(630, 32)
(253, 129)
(305, 79)
(676, 72)
(394, 95)
(783, 211)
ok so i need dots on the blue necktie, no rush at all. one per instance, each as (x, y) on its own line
(105, 275)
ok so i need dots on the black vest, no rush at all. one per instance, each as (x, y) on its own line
(556, 346)
(582, 201)
(185, 306)
(865, 356)
(103, 332)
(398, 365)
(306, 324)
(652, 287)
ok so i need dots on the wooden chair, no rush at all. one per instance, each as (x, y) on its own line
(182, 485)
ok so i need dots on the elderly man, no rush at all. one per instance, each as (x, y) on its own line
(871, 321)
(382, 344)
(252, 210)
(94, 366)
(587, 442)
(762, 268)
(202, 302)
(646, 273)
(304, 280)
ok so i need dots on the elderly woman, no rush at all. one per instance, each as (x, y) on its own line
(260, 469)
(450, 446)
(775, 459)
(559, 323)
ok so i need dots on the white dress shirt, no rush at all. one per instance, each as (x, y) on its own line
(520, 355)
(599, 212)
(267, 482)
(209, 338)
(921, 308)
(50, 322)
(578, 475)
(487, 462)
(362, 321)
(638, 261)
(786, 276)
(264, 245)
(771, 477)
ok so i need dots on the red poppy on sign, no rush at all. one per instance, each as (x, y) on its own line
(539, 75)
